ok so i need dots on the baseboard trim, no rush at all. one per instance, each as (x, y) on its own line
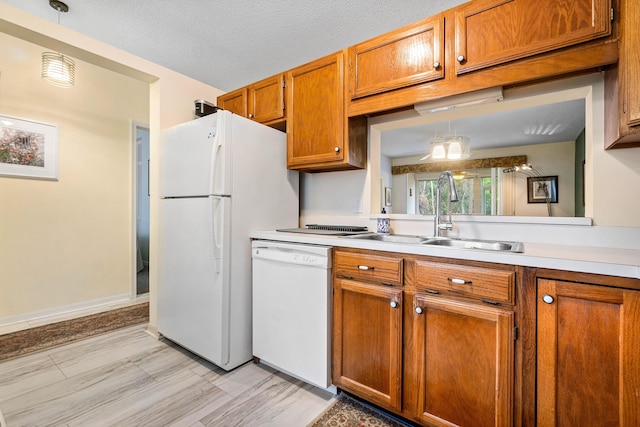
(41, 316)
(40, 338)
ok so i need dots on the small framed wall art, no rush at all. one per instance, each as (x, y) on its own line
(387, 196)
(28, 149)
(541, 189)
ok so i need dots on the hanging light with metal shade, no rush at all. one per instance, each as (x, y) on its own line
(58, 70)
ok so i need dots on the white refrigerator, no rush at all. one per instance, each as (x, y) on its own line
(221, 176)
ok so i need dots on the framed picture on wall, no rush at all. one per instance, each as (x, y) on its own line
(28, 149)
(387, 196)
(541, 188)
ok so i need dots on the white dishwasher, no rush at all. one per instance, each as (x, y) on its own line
(292, 309)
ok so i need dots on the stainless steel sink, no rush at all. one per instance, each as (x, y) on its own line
(392, 238)
(487, 245)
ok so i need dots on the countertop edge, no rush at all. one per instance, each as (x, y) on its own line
(596, 260)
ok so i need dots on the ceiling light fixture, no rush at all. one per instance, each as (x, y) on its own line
(493, 94)
(449, 148)
(57, 69)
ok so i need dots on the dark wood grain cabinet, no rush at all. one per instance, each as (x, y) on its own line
(446, 342)
(622, 83)
(404, 57)
(588, 354)
(367, 327)
(262, 101)
(368, 341)
(320, 137)
(266, 100)
(485, 44)
(235, 101)
(464, 360)
(492, 32)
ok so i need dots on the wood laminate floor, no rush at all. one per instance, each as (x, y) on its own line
(128, 378)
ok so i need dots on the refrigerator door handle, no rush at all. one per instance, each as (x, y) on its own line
(217, 229)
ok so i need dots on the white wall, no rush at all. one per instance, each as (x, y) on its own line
(94, 269)
(67, 241)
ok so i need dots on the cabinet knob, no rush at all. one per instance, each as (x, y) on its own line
(460, 58)
(419, 310)
(436, 64)
(394, 304)
(337, 149)
(250, 115)
(547, 298)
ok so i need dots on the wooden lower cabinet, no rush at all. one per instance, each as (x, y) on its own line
(463, 358)
(588, 358)
(367, 341)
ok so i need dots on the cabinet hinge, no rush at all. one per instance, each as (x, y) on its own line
(284, 83)
(612, 15)
(515, 333)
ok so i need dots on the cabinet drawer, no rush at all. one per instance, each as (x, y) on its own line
(369, 267)
(475, 282)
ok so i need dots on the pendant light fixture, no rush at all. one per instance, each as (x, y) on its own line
(448, 148)
(57, 69)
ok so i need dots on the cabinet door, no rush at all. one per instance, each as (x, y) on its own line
(588, 365)
(490, 32)
(266, 99)
(408, 56)
(315, 116)
(235, 101)
(464, 362)
(367, 341)
(630, 62)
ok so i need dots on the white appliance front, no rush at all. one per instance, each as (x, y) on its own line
(193, 287)
(193, 157)
(292, 309)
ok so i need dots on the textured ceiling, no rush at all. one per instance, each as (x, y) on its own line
(231, 43)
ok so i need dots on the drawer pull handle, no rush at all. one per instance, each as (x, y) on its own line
(365, 267)
(459, 281)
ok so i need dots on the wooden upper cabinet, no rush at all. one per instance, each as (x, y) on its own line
(587, 358)
(631, 59)
(622, 83)
(464, 362)
(319, 136)
(404, 57)
(491, 32)
(262, 101)
(266, 99)
(234, 101)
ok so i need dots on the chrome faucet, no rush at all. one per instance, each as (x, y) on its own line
(438, 224)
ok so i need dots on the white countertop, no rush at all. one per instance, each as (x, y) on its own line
(609, 261)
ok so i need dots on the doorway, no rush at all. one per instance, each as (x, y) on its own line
(141, 161)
